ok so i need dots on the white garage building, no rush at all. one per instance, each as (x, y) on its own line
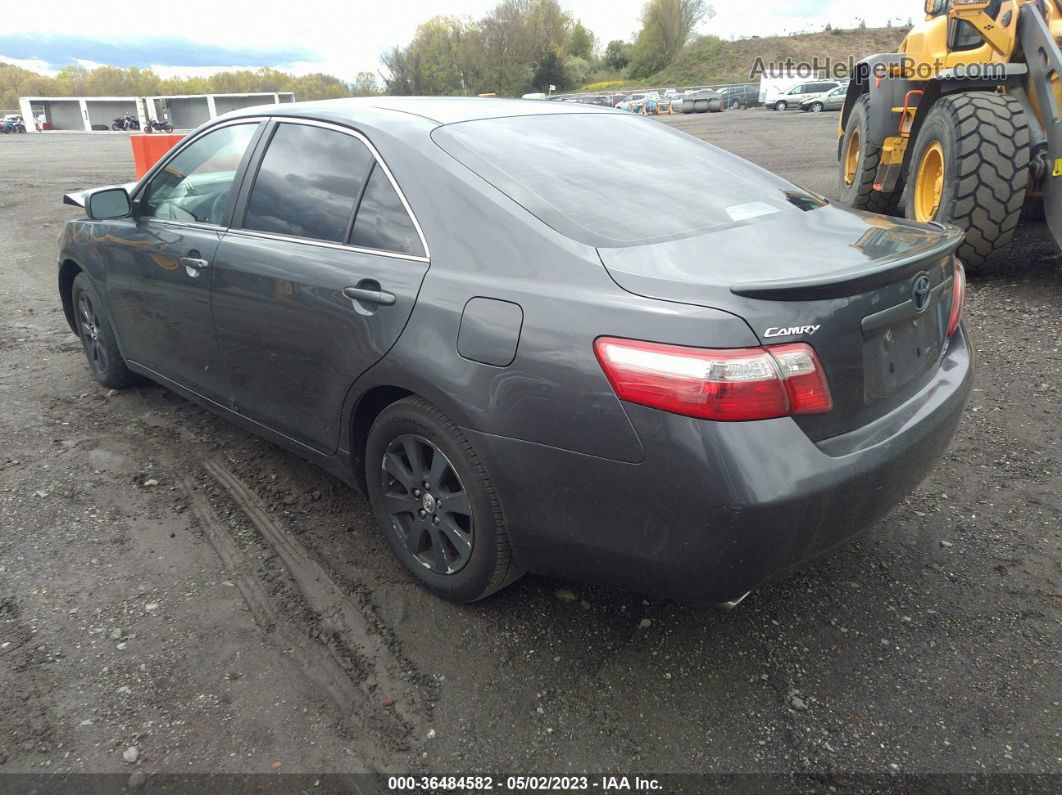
(184, 112)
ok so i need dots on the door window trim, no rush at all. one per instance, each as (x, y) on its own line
(236, 225)
(237, 180)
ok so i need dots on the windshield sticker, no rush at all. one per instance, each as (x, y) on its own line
(742, 212)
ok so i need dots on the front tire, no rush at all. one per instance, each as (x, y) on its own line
(781, 105)
(116, 127)
(435, 503)
(859, 166)
(817, 107)
(97, 337)
(970, 167)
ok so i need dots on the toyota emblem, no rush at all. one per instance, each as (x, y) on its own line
(921, 291)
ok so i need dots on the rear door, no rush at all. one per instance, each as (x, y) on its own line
(316, 279)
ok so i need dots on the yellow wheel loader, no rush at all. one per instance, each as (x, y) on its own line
(963, 125)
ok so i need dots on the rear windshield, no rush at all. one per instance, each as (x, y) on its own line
(615, 180)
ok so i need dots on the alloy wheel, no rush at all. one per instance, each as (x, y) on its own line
(89, 323)
(428, 505)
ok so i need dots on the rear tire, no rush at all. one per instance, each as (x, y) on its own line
(984, 140)
(97, 337)
(857, 175)
(433, 552)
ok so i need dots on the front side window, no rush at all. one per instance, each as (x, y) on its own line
(195, 186)
(382, 221)
(308, 182)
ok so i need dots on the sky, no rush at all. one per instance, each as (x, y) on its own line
(340, 37)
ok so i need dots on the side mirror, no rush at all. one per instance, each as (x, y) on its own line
(108, 203)
(934, 8)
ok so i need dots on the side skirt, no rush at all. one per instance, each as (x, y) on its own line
(337, 464)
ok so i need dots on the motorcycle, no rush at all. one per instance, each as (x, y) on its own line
(158, 125)
(126, 122)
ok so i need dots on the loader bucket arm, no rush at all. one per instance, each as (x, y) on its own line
(1045, 65)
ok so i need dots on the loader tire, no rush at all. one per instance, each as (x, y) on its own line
(984, 141)
(856, 176)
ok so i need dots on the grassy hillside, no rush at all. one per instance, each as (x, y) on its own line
(711, 60)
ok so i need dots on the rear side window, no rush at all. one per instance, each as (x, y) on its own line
(597, 177)
(382, 221)
(307, 184)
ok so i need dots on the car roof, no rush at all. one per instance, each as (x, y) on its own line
(443, 110)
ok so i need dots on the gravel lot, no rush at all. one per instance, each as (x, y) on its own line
(179, 596)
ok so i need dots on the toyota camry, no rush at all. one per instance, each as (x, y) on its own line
(528, 356)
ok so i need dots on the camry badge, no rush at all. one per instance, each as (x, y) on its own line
(789, 331)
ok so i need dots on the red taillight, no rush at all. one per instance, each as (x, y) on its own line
(958, 298)
(732, 384)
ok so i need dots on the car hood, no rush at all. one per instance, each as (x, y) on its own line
(827, 250)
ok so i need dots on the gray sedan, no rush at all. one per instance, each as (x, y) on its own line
(480, 313)
(831, 101)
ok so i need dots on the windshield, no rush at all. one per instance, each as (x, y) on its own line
(585, 176)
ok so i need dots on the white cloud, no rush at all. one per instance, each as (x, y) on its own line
(348, 37)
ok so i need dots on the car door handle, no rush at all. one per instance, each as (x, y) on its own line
(195, 263)
(376, 296)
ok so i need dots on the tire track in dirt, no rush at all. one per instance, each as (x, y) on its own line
(320, 663)
(353, 639)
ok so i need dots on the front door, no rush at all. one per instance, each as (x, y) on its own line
(159, 272)
(316, 283)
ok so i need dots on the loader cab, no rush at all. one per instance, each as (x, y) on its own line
(949, 42)
(962, 36)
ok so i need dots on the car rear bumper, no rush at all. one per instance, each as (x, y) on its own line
(716, 509)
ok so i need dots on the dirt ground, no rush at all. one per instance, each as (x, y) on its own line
(179, 596)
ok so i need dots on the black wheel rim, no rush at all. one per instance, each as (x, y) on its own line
(89, 322)
(427, 504)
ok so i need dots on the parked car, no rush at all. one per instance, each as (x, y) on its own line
(740, 97)
(797, 94)
(12, 124)
(563, 368)
(639, 103)
(834, 100)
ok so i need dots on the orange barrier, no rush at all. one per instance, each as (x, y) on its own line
(149, 149)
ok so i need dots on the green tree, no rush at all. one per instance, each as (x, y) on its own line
(577, 71)
(666, 28)
(550, 71)
(617, 55)
(581, 42)
(365, 85)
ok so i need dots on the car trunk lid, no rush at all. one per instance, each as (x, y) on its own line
(871, 294)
